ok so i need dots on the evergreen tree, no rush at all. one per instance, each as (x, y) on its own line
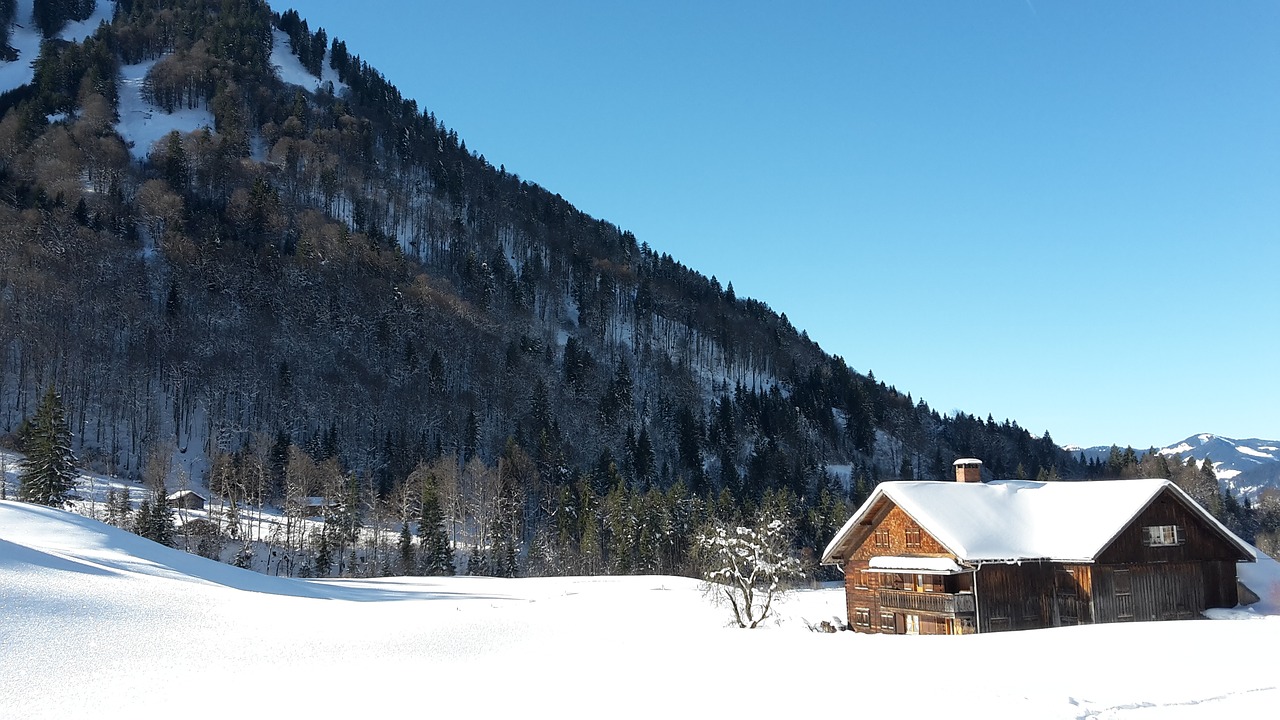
(154, 519)
(174, 164)
(406, 550)
(324, 558)
(905, 471)
(435, 557)
(161, 519)
(51, 16)
(1205, 490)
(47, 474)
(477, 562)
(643, 459)
(142, 521)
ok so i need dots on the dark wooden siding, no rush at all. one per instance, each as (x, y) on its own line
(1033, 595)
(1163, 591)
(1201, 541)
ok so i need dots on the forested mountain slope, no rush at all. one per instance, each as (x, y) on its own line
(327, 276)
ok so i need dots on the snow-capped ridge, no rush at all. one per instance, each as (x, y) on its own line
(1245, 466)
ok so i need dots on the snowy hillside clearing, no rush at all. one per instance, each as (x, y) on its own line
(92, 617)
(289, 67)
(24, 38)
(141, 123)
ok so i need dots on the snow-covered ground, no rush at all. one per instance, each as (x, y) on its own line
(94, 619)
(290, 70)
(25, 39)
(141, 123)
(78, 30)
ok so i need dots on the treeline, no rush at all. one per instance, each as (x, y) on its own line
(509, 518)
(50, 16)
(8, 9)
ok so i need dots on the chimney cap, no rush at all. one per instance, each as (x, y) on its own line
(966, 462)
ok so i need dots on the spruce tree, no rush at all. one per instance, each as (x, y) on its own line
(406, 550)
(142, 522)
(477, 562)
(48, 472)
(154, 519)
(435, 556)
(161, 519)
(324, 562)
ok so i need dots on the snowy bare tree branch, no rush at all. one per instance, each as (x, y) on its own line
(749, 567)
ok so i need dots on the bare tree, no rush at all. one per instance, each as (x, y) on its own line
(749, 566)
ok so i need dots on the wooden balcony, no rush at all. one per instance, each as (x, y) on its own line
(939, 603)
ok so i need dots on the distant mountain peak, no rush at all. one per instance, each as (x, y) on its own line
(1246, 466)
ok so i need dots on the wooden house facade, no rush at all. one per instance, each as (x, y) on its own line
(967, 557)
(187, 499)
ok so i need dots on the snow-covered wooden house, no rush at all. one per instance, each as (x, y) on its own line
(187, 499)
(972, 556)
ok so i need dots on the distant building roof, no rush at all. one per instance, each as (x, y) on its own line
(186, 493)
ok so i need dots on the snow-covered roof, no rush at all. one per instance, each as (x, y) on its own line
(184, 493)
(925, 565)
(1014, 520)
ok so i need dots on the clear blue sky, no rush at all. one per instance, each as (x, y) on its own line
(1062, 213)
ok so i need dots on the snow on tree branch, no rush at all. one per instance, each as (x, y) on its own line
(748, 567)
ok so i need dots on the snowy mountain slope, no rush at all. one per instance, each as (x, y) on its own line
(1229, 455)
(1257, 479)
(25, 40)
(141, 123)
(92, 617)
(290, 70)
(1244, 466)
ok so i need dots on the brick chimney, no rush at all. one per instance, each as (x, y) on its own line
(968, 470)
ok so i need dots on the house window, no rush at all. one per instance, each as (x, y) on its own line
(912, 536)
(882, 537)
(1161, 535)
(887, 623)
(924, 583)
(862, 617)
(913, 624)
(860, 579)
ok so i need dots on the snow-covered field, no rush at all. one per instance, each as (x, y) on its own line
(95, 620)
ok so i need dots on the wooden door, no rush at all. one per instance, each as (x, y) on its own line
(1066, 599)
